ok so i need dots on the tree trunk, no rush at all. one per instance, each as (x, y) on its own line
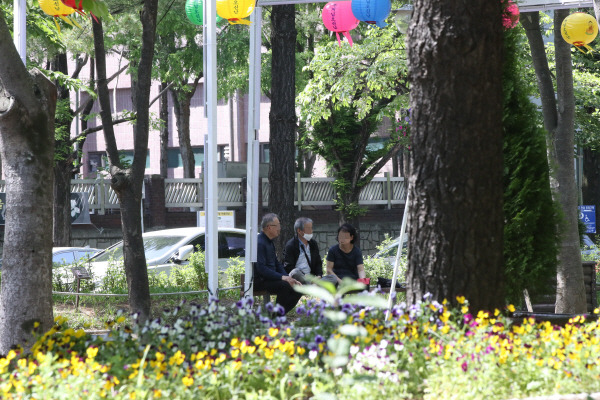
(181, 106)
(282, 119)
(559, 122)
(164, 130)
(63, 166)
(27, 108)
(455, 211)
(127, 183)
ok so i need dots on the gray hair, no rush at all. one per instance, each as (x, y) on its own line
(300, 222)
(267, 219)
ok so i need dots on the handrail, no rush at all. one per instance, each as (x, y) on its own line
(188, 192)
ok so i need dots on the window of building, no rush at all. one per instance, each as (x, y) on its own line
(264, 153)
(127, 156)
(174, 159)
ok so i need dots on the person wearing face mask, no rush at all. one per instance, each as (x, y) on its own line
(301, 254)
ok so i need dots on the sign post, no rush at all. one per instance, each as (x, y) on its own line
(587, 215)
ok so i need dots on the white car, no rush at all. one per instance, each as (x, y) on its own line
(70, 255)
(169, 247)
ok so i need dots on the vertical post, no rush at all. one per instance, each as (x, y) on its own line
(388, 188)
(210, 151)
(77, 295)
(20, 28)
(252, 186)
(397, 260)
(299, 190)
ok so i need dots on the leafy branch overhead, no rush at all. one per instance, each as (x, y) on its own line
(372, 70)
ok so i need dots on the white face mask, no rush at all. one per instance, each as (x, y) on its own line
(308, 236)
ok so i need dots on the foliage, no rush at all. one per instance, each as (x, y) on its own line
(427, 351)
(343, 104)
(381, 267)
(530, 232)
(197, 262)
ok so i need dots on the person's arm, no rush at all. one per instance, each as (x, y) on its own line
(290, 256)
(361, 271)
(360, 265)
(261, 259)
(329, 267)
(316, 267)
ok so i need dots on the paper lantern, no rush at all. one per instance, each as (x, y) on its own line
(338, 18)
(579, 29)
(372, 11)
(235, 11)
(77, 6)
(194, 10)
(57, 9)
(510, 15)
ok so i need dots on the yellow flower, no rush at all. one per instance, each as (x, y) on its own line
(187, 381)
(511, 308)
(120, 319)
(157, 393)
(273, 332)
(92, 352)
(460, 299)
(132, 395)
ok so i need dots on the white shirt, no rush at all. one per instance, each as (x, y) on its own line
(302, 263)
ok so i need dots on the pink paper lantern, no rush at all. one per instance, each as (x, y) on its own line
(338, 18)
(510, 15)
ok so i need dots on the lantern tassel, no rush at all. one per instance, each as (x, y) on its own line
(239, 21)
(338, 38)
(56, 24)
(589, 49)
(347, 35)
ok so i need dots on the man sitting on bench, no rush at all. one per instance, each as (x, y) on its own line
(269, 273)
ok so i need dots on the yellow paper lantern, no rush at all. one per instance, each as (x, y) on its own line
(235, 11)
(58, 9)
(579, 29)
(55, 8)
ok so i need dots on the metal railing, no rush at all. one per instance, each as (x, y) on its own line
(188, 192)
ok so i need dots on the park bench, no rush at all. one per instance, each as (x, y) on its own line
(266, 296)
(546, 303)
(255, 293)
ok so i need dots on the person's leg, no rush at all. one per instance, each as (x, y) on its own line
(287, 297)
(330, 279)
(298, 275)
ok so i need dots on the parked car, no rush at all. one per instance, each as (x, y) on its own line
(169, 247)
(589, 250)
(70, 255)
(389, 251)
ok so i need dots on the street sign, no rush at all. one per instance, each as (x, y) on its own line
(587, 214)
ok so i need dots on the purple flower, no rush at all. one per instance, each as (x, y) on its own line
(464, 366)
(319, 339)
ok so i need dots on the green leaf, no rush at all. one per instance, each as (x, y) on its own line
(315, 291)
(352, 330)
(366, 300)
(335, 316)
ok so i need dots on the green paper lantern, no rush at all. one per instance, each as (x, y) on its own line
(193, 10)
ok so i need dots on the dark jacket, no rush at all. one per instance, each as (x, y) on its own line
(292, 252)
(267, 267)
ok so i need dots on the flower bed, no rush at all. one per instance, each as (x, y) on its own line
(426, 351)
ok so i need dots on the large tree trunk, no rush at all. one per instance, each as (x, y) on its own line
(27, 107)
(559, 122)
(164, 130)
(181, 105)
(455, 211)
(282, 120)
(127, 183)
